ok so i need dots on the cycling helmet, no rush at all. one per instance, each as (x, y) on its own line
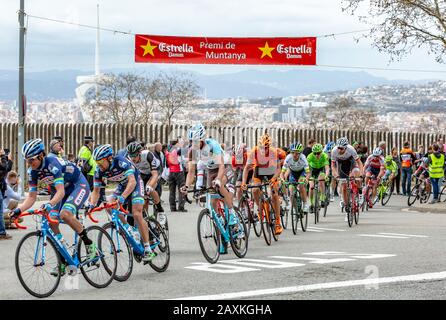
(296, 147)
(329, 146)
(342, 142)
(317, 148)
(197, 132)
(388, 158)
(32, 148)
(425, 160)
(134, 148)
(265, 140)
(377, 151)
(102, 152)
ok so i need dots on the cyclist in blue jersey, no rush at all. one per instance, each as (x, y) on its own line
(69, 191)
(130, 187)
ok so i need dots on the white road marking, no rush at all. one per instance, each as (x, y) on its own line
(219, 268)
(314, 260)
(328, 229)
(263, 263)
(320, 286)
(404, 235)
(351, 255)
(381, 236)
(313, 230)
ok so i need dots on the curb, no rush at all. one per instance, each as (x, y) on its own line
(425, 210)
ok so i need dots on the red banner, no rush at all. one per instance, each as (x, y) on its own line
(201, 50)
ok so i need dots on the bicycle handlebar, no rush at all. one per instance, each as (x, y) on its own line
(113, 205)
(41, 212)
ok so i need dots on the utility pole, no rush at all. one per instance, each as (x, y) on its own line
(21, 99)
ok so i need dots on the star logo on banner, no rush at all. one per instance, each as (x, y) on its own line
(148, 49)
(266, 50)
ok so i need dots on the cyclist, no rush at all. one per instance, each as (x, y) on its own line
(69, 191)
(346, 163)
(333, 190)
(130, 188)
(239, 158)
(266, 161)
(320, 169)
(422, 172)
(296, 169)
(208, 153)
(148, 166)
(374, 166)
(391, 169)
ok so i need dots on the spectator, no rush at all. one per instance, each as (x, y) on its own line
(12, 197)
(162, 159)
(441, 145)
(362, 151)
(309, 147)
(436, 170)
(71, 157)
(176, 178)
(5, 167)
(86, 162)
(60, 147)
(407, 160)
(397, 181)
(382, 145)
(419, 155)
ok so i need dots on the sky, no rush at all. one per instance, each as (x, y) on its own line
(52, 46)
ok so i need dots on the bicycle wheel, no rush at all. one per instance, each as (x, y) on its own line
(158, 235)
(208, 236)
(387, 194)
(34, 272)
(124, 252)
(368, 197)
(316, 206)
(303, 216)
(101, 270)
(266, 222)
(442, 195)
(413, 196)
(294, 214)
(355, 207)
(349, 208)
(239, 238)
(284, 212)
(272, 224)
(327, 199)
(257, 224)
(246, 214)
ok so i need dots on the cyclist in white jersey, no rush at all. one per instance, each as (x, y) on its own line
(346, 163)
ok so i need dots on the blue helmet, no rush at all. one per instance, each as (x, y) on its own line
(102, 152)
(32, 148)
(329, 146)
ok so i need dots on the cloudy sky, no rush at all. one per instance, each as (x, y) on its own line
(51, 45)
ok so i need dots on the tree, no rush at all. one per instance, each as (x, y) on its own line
(338, 112)
(317, 118)
(398, 26)
(175, 92)
(362, 119)
(228, 116)
(122, 98)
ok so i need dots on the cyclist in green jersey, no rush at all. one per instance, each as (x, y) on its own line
(320, 169)
(391, 168)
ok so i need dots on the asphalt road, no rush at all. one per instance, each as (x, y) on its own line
(391, 254)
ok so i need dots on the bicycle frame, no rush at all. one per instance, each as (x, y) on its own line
(47, 233)
(223, 231)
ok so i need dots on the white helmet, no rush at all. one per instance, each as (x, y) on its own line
(342, 142)
(197, 132)
(377, 151)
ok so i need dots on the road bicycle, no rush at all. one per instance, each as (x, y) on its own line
(352, 205)
(368, 193)
(316, 203)
(297, 212)
(384, 191)
(284, 204)
(214, 233)
(40, 252)
(267, 213)
(420, 191)
(129, 244)
(246, 207)
(327, 194)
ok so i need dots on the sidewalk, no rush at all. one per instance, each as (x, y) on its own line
(426, 207)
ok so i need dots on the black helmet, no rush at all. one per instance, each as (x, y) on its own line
(134, 148)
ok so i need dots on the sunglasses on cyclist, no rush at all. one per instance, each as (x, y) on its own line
(341, 148)
(317, 153)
